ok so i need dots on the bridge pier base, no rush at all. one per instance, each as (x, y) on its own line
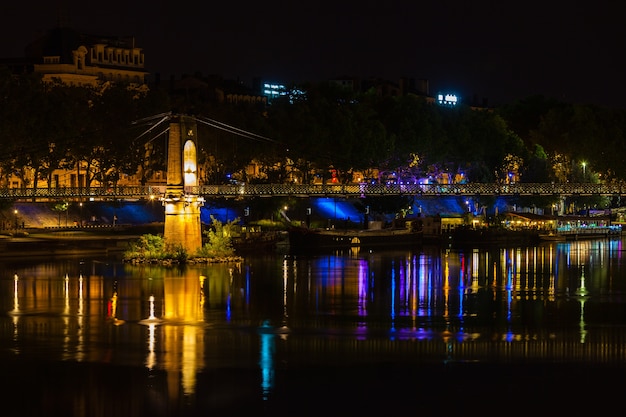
(182, 223)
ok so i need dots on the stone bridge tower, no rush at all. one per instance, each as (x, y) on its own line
(182, 204)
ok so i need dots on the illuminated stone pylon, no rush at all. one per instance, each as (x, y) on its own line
(182, 204)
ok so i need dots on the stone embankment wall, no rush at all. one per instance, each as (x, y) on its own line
(90, 214)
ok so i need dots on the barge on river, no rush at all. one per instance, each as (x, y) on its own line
(494, 235)
(408, 234)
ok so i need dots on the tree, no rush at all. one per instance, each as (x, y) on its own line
(41, 120)
(61, 208)
(538, 168)
(110, 146)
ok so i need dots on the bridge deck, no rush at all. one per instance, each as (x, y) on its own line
(320, 190)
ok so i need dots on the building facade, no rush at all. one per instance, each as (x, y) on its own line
(74, 58)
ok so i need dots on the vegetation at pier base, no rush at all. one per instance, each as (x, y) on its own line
(154, 249)
(220, 239)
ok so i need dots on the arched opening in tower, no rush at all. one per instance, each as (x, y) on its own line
(190, 169)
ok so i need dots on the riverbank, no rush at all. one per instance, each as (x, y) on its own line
(40, 229)
(46, 242)
(92, 214)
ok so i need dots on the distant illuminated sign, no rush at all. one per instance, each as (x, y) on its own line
(447, 99)
(274, 90)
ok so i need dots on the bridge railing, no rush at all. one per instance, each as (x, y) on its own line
(362, 190)
(319, 190)
(82, 192)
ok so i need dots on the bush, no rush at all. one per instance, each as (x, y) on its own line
(151, 247)
(147, 247)
(220, 240)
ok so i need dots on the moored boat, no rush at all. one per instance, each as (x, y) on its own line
(257, 241)
(589, 232)
(311, 238)
(552, 237)
(487, 236)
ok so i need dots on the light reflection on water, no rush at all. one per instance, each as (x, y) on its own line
(274, 313)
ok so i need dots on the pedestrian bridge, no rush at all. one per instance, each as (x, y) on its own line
(316, 190)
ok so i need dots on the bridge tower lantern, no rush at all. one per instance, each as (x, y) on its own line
(181, 201)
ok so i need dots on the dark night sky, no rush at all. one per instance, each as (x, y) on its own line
(495, 50)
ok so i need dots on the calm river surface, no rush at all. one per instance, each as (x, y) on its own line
(429, 331)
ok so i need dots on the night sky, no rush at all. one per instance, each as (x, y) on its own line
(498, 51)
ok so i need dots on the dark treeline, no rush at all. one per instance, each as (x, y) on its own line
(119, 130)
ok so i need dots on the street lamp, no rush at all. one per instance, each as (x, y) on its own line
(15, 212)
(584, 164)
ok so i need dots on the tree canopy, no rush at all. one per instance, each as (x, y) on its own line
(47, 126)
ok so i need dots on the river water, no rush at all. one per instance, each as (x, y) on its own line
(425, 331)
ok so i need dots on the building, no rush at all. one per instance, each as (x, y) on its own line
(78, 59)
(71, 58)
